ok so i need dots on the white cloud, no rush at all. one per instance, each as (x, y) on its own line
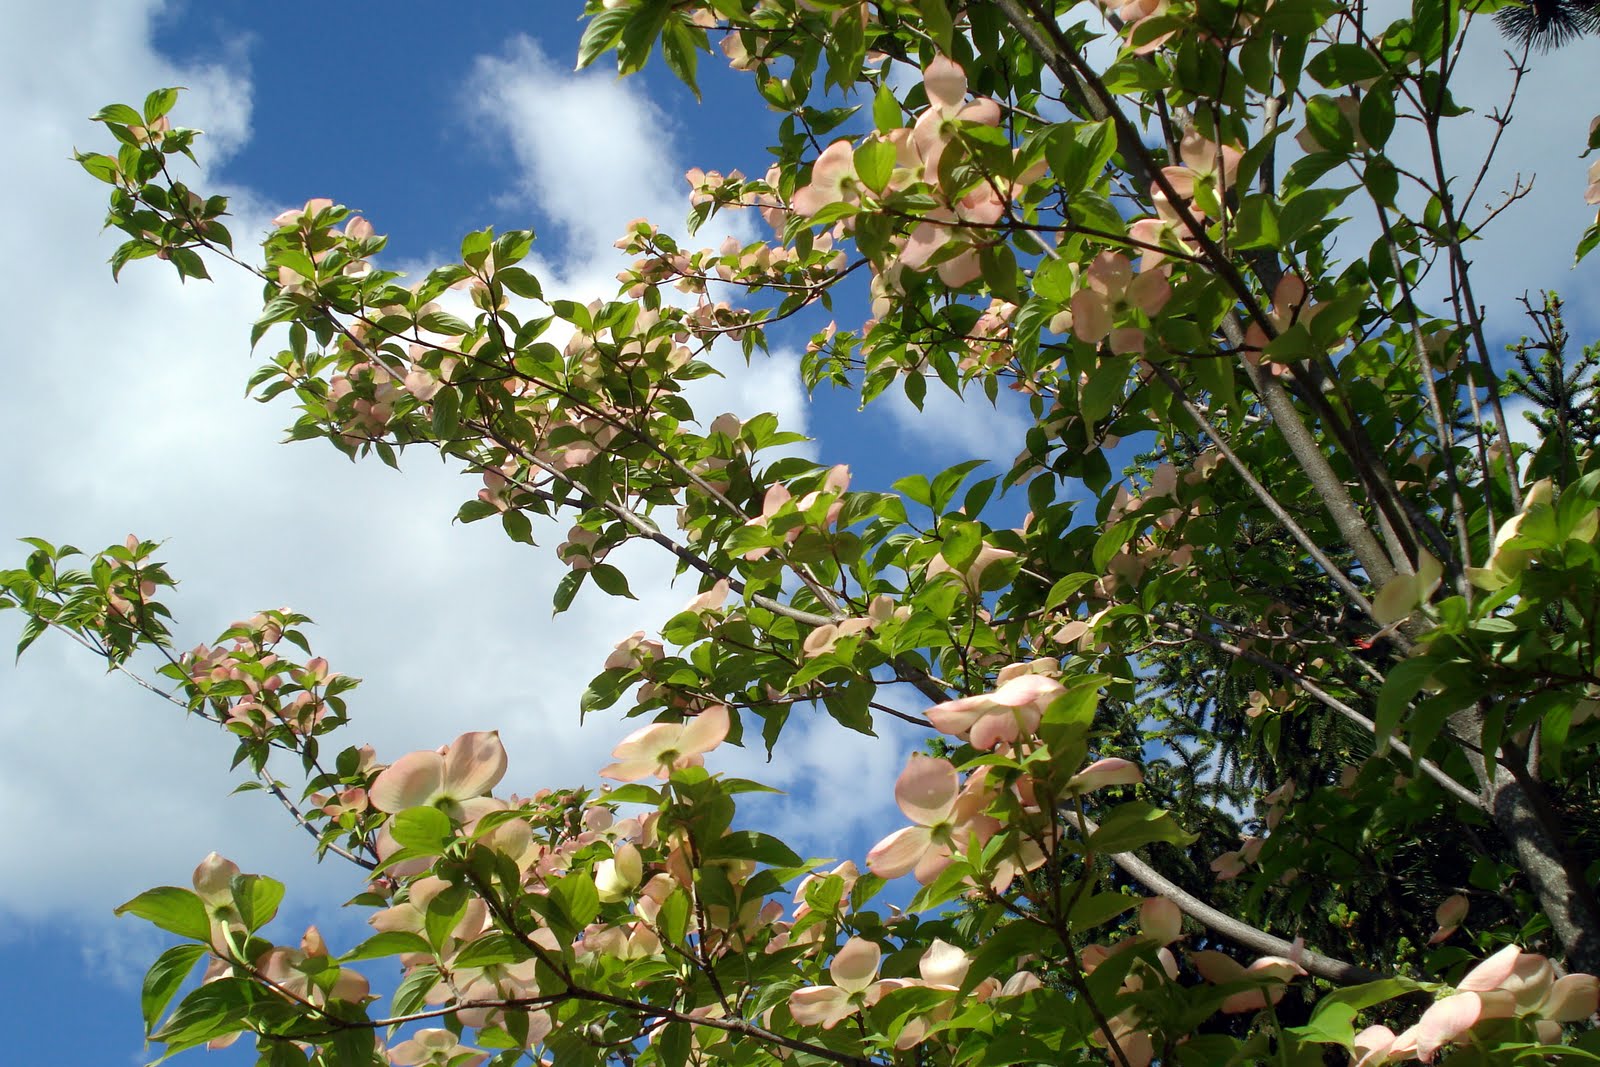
(954, 428)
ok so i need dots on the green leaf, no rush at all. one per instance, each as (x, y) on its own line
(216, 1009)
(886, 113)
(121, 114)
(578, 899)
(1377, 117)
(601, 33)
(1098, 908)
(1405, 681)
(672, 1045)
(446, 413)
(490, 949)
(611, 580)
(1344, 64)
(158, 103)
(1591, 238)
(101, 166)
(520, 282)
(175, 910)
(962, 543)
(388, 943)
(1361, 997)
(413, 992)
(874, 160)
(518, 526)
(162, 981)
(948, 481)
(1078, 153)
(680, 49)
(443, 914)
(566, 589)
(1332, 1024)
(257, 897)
(1104, 388)
(424, 829)
(1135, 824)
(749, 845)
(938, 24)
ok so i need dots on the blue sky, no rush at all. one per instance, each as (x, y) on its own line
(125, 414)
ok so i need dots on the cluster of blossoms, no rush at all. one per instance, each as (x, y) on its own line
(856, 985)
(1200, 180)
(950, 816)
(1233, 863)
(948, 237)
(307, 974)
(262, 691)
(341, 252)
(1511, 984)
(752, 267)
(783, 512)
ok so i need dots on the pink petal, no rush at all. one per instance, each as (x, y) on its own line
(1181, 179)
(956, 717)
(999, 727)
(1445, 1021)
(1091, 316)
(1452, 911)
(474, 764)
(1110, 274)
(1373, 1044)
(983, 111)
(1160, 920)
(410, 781)
(932, 864)
(629, 770)
(926, 239)
(1492, 972)
(943, 964)
(212, 879)
(1127, 341)
(899, 852)
(961, 270)
(1105, 772)
(1150, 291)
(836, 162)
(1573, 998)
(704, 732)
(820, 1006)
(945, 82)
(1027, 689)
(1216, 968)
(926, 790)
(1289, 295)
(856, 965)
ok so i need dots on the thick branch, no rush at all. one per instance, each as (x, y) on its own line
(1235, 930)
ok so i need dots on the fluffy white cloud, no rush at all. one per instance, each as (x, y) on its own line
(953, 428)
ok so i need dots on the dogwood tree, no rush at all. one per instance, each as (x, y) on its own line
(1276, 745)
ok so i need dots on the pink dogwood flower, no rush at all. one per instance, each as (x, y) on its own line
(465, 769)
(435, 1048)
(663, 747)
(854, 971)
(944, 817)
(1011, 712)
(1112, 288)
(1272, 973)
(946, 85)
(833, 180)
